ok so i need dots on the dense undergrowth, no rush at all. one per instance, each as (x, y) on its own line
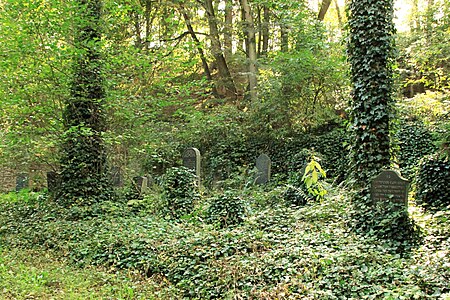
(279, 251)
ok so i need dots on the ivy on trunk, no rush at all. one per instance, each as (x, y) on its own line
(371, 50)
(83, 179)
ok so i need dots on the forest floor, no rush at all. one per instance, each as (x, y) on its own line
(278, 252)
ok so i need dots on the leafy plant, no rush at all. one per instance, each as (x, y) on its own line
(433, 177)
(312, 178)
(415, 141)
(226, 210)
(180, 190)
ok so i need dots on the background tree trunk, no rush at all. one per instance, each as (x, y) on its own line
(228, 29)
(265, 30)
(216, 49)
(249, 29)
(323, 9)
(198, 45)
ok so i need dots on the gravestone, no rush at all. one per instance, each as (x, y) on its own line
(191, 160)
(263, 164)
(141, 184)
(52, 181)
(22, 182)
(390, 187)
(116, 177)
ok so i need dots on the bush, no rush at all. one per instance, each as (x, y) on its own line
(296, 192)
(433, 177)
(415, 141)
(226, 210)
(180, 190)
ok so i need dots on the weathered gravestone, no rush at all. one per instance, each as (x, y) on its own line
(263, 164)
(141, 184)
(116, 177)
(22, 182)
(191, 160)
(390, 188)
(52, 181)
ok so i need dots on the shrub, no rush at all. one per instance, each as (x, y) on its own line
(433, 177)
(180, 190)
(296, 193)
(415, 141)
(226, 210)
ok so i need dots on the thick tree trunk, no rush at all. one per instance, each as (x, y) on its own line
(83, 178)
(323, 9)
(216, 49)
(249, 29)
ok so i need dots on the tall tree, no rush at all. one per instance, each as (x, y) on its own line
(216, 48)
(83, 179)
(228, 29)
(323, 9)
(249, 29)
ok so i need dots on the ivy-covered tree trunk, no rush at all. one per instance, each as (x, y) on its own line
(371, 51)
(83, 179)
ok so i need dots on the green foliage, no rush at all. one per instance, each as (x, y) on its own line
(226, 210)
(301, 90)
(433, 177)
(83, 179)
(415, 141)
(371, 51)
(306, 185)
(425, 47)
(312, 178)
(332, 144)
(276, 252)
(295, 192)
(180, 191)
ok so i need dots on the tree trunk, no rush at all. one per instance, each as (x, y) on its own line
(83, 178)
(249, 29)
(216, 49)
(338, 11)
(284, 37)
(228, 29)
(370, 55)
(200, 51)
(323, 9)
(265, 30)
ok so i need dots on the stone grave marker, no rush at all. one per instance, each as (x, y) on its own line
(192, 160)
(390, 187)
(116, 177)
(263, 164)
(52, 181)
(141, 184)
(22, 182)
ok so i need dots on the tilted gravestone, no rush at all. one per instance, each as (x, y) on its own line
(192, 160)
(390, 188)
(140, 184)
(52, 181)
(263, 164)
(22, 182)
